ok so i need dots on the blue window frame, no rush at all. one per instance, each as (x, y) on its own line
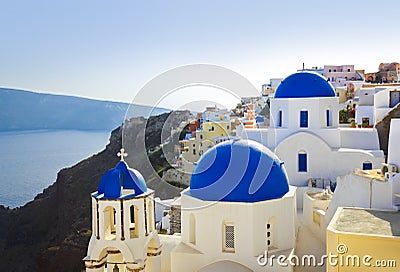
(304, 118)
(367, 165)
(328, 118)
(302, 162)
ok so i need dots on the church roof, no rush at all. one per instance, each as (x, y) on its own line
(304, 84)
(239, 171)
(119, 178)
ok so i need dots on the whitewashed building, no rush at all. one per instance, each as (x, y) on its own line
(304, 132)
(123, 227)
(384, 101)
(239, 206)
(239, 210)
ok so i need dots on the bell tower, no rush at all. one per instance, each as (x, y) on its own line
(123, 233)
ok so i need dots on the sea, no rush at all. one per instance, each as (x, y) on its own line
(30, 160)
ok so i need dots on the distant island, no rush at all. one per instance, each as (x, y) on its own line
(27, 110)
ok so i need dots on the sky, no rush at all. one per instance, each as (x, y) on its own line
(109, 49)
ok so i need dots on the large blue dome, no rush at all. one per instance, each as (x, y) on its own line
(239, 171)
(304, 84)
(121, 177)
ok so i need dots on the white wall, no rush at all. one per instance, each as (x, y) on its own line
(381, 104)
(356, 191)
(394, 143)
(311, 205)
(363, 138)
(365, 112)
(317, 124)
(250, 221)
(366, 97)
(323, 161)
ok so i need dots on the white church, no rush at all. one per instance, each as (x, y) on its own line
(241, 202)
(304, 132)
(232, 213)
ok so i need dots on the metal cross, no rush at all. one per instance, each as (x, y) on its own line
(122, 154)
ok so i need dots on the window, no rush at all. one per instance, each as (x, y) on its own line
(212, 128)
(151, 216)
(269, 233)
(201, 136)
(304, 118)
(229, 237)
(302, 161)
(367, 165)
(133, 226)
(192, 229)
(279, 121)
(194, 151)
(227, 127)
(334, 70)
(348, 70)
(328, 118)
(109, 223)
(330, 70)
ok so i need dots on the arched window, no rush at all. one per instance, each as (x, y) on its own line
(302, 161)
(304, 118)
(134, 222)
(109, 223)
(192, 229)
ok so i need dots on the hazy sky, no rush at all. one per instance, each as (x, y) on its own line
(110, 49)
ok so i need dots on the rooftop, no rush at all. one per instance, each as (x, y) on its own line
(362, 221)
(370, 174)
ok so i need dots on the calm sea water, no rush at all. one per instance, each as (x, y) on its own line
(30, 160)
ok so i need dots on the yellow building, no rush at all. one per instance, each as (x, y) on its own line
(210, 134)
(363, 240)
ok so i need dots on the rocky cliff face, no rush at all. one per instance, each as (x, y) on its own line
(51, 233)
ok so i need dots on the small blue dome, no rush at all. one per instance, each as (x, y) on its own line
(239, 171)
(304, 84)
(121, 177)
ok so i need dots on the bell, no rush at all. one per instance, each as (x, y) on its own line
(115, 269)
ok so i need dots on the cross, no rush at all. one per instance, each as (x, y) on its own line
(122, 154)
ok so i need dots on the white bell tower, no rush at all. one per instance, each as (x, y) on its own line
(123, 233)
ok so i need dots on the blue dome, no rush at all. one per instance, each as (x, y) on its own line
(239, 171)
(121, 177)
(304, 84)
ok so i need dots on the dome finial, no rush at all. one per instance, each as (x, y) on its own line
(122, 154)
